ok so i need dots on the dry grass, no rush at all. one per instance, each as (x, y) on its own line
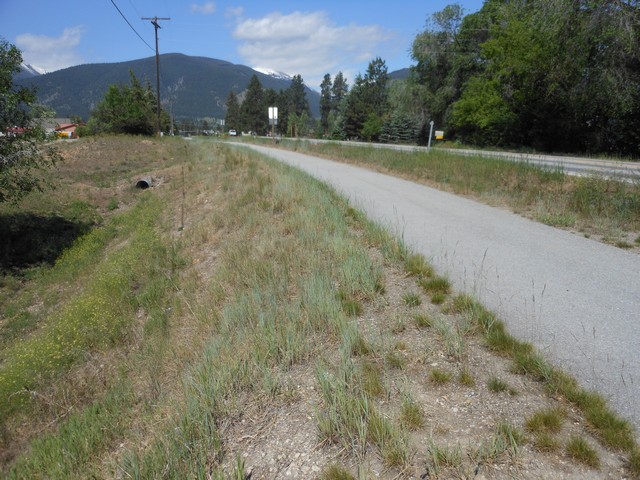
(242, 352)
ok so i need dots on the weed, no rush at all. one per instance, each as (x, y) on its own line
(439, 377)
(496, 385)
(435, 285)
(355, 343)
(544, 442)
(549, 420)
(447, 456)
(553, 219)
(336, 472)
(423, 320)
(415, 264)
(411, 299)
(411, 414)
(452, 338)
(113, 204)
(634, 462)
(394, 360)
(372, 379)
(438, 298)
(391, 441)
(580, 450)
(466, 378)
(398, 324)
(514, 435)
(506, 439)
(351, 306)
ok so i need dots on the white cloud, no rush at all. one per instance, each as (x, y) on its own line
(207, 8)
(51, 53)
(309, 44)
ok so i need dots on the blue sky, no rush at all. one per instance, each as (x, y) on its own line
(309, 38)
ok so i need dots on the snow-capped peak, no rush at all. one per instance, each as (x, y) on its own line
(273, 73)
(32, 69)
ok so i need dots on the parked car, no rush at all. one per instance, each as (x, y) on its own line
(232, 133)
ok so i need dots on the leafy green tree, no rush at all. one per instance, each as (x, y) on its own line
(232, 115)
(556, 75)
(23, 155)
(129, 109)
(435, 51)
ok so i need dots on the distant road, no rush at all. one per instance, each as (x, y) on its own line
(627, 171)
(575, 299)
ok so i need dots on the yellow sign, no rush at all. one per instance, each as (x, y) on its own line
(439, 135)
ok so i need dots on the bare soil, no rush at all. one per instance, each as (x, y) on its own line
(278, 441)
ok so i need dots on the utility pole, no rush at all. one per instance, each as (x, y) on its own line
(154, 22)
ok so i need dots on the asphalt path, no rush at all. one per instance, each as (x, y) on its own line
(576, 300)
(578, 166)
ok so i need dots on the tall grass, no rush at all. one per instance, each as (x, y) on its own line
(99, 315)
(286, 263)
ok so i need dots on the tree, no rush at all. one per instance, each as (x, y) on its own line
(298, 102)
(436, 53)
(339, 91)
(325, 102)
(254, 115)
(23, 156)
(129, 109)
(366, 103)
(232, 116)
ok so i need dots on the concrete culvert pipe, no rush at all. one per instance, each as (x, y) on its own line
(145, 182)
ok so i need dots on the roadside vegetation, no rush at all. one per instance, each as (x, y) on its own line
(239, 318)
(599, 208)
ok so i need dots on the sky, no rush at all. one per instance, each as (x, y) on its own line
(307, 38)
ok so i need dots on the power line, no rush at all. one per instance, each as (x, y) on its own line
(125, 19)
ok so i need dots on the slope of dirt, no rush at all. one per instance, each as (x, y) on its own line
(458, 438)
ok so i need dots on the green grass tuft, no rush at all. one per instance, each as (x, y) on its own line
(439, 377)
(549, 420)
(336, 472)
(578, 449)
(411, 299)
(496, 385)
(435, 285)
(423, 320)
(411, 414)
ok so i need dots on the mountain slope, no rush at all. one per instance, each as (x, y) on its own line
(194, 87)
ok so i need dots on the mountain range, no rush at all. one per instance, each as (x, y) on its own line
(191, 87)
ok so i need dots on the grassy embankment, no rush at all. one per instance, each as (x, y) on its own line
(137, 352)
(605, 209)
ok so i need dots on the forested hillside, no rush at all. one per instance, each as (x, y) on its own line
(191, 87)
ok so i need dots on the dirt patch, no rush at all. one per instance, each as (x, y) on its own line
(462, 415)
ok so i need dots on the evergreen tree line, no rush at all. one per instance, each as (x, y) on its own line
(249, 112)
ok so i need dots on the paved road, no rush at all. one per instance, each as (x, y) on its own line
(576, 299)
(626, 171)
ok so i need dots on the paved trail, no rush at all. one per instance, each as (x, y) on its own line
(576, 299)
